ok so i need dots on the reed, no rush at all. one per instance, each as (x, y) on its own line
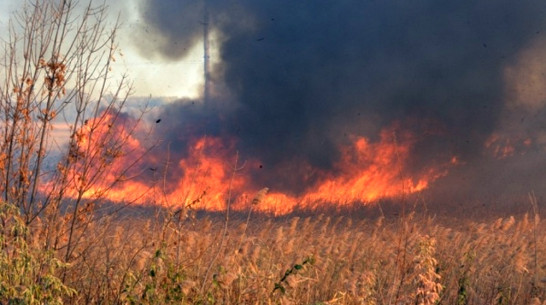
(315, 259)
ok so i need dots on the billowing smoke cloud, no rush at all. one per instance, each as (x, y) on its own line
(304, 75)
(170, 27)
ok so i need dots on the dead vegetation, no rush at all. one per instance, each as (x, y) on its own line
(311, 260)
(57, 245)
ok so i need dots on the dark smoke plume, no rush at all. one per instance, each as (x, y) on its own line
(303, 75)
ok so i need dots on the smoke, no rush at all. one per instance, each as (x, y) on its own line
(305, 75)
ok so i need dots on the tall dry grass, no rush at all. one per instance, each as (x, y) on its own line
(319, 259)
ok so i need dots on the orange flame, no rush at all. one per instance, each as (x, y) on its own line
(206, 178)
(97, 159)
(505, 146)
(366, 173)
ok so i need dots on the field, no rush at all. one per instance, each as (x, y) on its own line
(111, 198)
(172, 258)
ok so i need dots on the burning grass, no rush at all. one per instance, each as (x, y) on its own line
(366, 172)
(58, 243)
(169, 259)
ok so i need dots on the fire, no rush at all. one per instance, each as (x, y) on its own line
(373, 173)
(209, 175)
(366, 173)
(205, 176)
(505, 146)
(97, 160)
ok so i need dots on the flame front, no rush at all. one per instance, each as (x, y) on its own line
(209, 175)
(366, 172)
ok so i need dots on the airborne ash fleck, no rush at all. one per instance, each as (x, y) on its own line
(304, 74)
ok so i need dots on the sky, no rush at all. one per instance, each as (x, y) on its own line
(293, 81)
(151, 75)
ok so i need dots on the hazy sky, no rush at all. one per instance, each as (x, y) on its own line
(151, 75)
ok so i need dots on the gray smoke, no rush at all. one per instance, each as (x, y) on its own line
(304, 75)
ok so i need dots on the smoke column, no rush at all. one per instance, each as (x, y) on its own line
(301, 77)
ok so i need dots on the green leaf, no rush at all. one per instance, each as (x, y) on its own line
(210, 298)
(280, 287)
(309, 260)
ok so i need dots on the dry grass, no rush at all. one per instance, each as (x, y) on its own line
(312, 260)
(57, 245)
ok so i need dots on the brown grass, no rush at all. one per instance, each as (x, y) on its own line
(316, 260)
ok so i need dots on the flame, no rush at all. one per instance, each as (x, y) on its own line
(97, 160)
(209, 175)
(505, 146)
(365, 173)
